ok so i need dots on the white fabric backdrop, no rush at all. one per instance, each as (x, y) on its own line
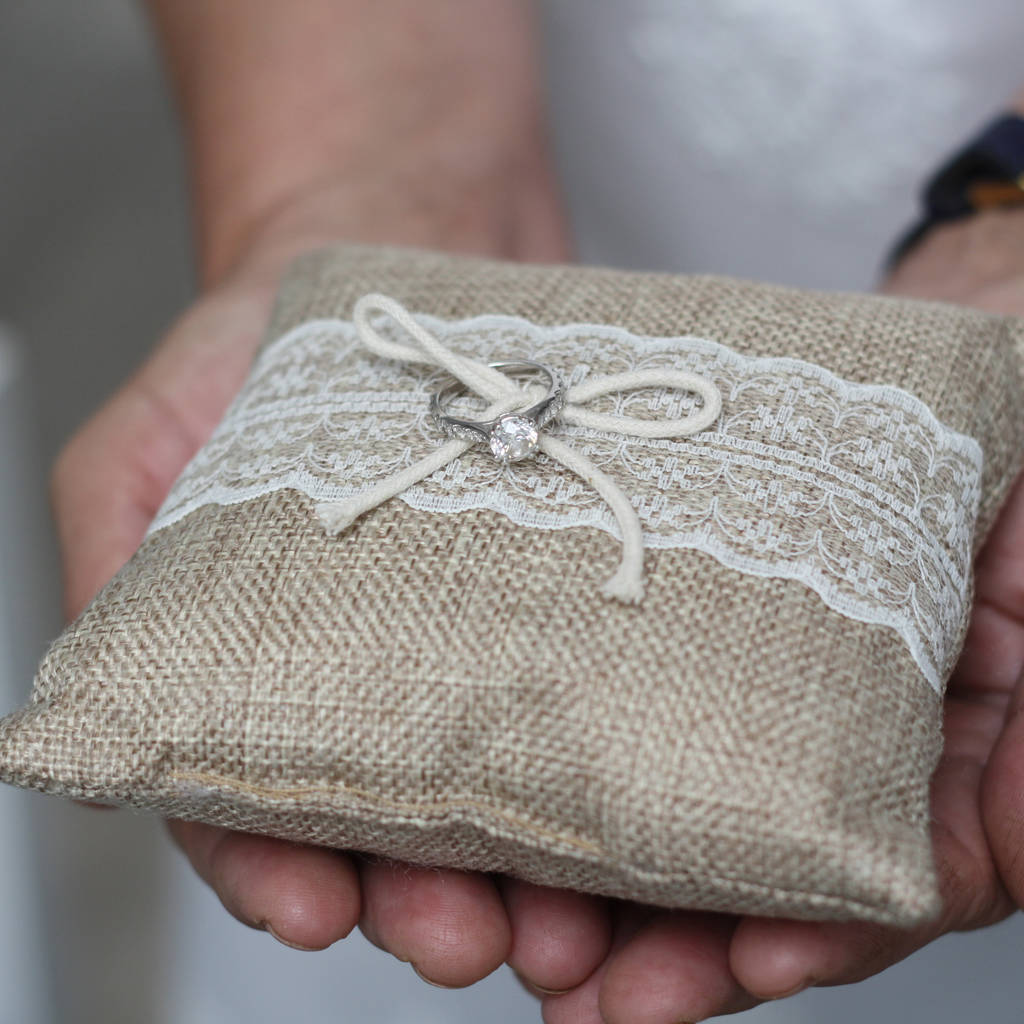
(776, 139)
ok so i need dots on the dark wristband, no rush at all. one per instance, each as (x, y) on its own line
(987, 173)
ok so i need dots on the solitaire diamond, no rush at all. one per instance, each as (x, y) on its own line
(513, 438)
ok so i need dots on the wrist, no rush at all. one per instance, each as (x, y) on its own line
(352, 98)
(383, 210)
(977, 261)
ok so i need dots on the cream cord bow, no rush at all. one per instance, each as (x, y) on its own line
(505, 396)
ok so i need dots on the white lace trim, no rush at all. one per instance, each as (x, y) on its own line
(855, 490)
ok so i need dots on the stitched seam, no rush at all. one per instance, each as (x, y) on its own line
(828, 899)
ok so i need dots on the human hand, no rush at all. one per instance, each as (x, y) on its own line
(619, 962)
(671, 966)
(383, 121)
(115, 472)
(302, 134)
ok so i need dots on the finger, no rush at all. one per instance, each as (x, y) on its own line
(105, 487)
(307, 897)
(581, 1005)
(450, 925)
(774, 958)
(676, 968)
(112, 476)
(993, 652)
(558, 937)
(1003, 800)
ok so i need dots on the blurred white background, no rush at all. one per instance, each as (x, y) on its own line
(99, 918)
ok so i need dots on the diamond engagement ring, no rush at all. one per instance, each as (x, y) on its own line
(513, 436)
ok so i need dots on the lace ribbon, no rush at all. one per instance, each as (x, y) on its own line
(505, 395)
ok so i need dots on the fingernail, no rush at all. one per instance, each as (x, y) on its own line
(799, 987)
(269, 929)
(550, 991)
(430, 981)
(539, 990)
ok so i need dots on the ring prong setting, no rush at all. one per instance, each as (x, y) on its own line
(514, 438)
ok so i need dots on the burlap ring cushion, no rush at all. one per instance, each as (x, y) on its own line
(445, 682)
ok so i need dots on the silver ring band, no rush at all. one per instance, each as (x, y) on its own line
(513, 436)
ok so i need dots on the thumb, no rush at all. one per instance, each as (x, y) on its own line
(113, 475)
(106, 486)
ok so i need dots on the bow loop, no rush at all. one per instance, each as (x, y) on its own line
(635, 380)
(478, 377)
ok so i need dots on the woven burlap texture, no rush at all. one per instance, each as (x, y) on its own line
(450, 690)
